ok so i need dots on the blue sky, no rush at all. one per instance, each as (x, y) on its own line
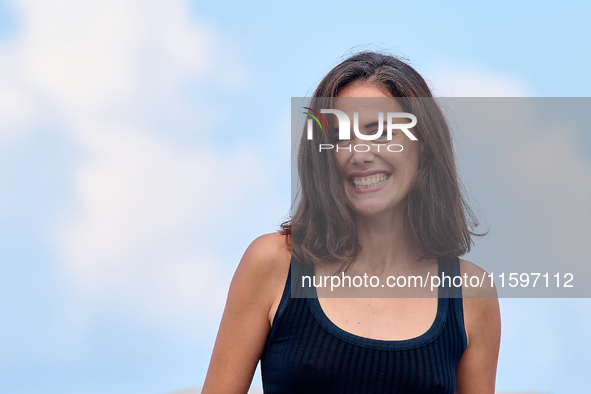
(130, 182)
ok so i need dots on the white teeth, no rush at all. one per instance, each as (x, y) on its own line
(372, 181)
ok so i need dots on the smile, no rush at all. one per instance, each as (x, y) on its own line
(369, 181)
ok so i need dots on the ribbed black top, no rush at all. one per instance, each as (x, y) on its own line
(307, 353)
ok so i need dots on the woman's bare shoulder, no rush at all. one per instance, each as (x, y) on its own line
(267, 256)
(481, 304)
(481, 288)
(245, 323)
(265, 265)
(482, 320)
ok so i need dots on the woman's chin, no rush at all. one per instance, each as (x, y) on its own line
(379, 209)
(371, 211)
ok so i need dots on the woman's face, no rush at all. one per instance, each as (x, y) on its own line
(377, 181)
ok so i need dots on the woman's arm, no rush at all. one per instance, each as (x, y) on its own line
(255, 289)
(477, 369)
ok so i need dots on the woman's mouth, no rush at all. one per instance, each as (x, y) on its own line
(369, 181)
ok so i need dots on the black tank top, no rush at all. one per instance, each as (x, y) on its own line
(307, 353)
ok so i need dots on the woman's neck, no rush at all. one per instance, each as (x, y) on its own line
(384, 245)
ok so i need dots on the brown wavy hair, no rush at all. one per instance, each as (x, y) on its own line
(438, 220)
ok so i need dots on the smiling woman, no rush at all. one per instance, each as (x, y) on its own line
(377, 181)
(370, 212)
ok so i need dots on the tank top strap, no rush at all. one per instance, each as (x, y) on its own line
(448, 270)
(451, 267)
(288, 289)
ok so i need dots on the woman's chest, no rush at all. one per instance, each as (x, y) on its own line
(307, 353)
(383, 319)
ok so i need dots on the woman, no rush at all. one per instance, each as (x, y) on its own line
(376, 212)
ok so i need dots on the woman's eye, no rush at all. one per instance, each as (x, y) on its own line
(382, 138)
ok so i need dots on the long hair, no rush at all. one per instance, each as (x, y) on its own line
(438, 219)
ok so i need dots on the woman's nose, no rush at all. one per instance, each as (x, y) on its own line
(361, 152)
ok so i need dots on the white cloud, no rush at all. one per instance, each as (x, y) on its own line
(144, 213)
(529, 161)
(137, 200)
(15, 105)
(552, 174)
(94, 54)
(461, 81)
